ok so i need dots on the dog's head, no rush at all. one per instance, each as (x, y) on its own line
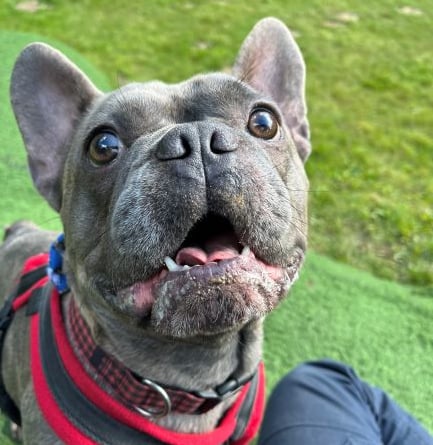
(184, 206)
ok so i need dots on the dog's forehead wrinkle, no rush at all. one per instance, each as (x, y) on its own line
(137, 102)
(131, 108)
(138, 107)
(134, 96)
(217, 91)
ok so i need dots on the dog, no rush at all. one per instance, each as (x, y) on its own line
(184, 210)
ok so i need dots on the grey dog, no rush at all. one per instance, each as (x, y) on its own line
(184, 210)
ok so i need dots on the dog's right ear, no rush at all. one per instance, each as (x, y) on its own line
(49, 95)
(271, 62)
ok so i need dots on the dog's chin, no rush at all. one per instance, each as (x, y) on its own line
(210, 298)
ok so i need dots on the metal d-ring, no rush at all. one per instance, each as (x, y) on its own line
(165, 398)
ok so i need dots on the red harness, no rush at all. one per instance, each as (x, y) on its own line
(88, 415)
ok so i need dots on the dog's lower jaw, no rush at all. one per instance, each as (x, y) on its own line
(195, 364)
(232, 297)
(204, 300)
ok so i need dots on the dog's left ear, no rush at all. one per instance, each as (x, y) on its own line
(271, 62)
(49, 96)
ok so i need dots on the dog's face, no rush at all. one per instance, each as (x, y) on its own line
(184, 206)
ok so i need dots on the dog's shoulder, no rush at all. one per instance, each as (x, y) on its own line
(21, 240)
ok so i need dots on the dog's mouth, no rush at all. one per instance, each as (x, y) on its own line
(213, 282)
(211, 243)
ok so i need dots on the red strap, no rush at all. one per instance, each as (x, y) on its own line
(43, 394)
(64, 429)
(257, 413)
(22, 300)
(35, 262)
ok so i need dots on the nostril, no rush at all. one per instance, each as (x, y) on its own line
(174, 146)
(186, 146)
(221, 143)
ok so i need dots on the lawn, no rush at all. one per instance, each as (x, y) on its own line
(369, 94)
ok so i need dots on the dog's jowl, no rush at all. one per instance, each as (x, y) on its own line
(184, 216)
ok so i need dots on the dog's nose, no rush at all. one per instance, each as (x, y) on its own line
(187, 140)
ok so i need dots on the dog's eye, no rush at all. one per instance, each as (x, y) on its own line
(262, 124)
(104, 148)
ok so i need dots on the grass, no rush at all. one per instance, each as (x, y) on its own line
(368, 92)
(381, 328)
(371, 186)
(19, 199)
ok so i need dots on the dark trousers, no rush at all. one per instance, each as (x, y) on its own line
(325, 403)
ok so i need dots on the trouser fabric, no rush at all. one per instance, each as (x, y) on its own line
(326, 403)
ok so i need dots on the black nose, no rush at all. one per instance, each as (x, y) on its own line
(199, 139)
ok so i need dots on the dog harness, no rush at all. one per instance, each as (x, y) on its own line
(78, 409)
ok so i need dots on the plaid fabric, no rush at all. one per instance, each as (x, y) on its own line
(125, 387)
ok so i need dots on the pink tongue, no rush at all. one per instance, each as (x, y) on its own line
(191, 256)
(222, 247)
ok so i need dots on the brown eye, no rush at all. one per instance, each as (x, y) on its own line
(263, 124)
(104, 148)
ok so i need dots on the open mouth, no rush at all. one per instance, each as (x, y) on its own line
(212, 239)
(209, 247)
(211, 265)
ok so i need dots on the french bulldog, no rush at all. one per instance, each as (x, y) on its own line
(184, 210)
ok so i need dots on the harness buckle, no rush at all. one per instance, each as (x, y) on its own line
(226, 389)
(154, 413)
(221, 392)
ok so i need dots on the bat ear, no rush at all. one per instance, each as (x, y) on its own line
(49, 96)
(270, 61)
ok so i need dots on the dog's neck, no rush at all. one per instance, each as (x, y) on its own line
(193, 365)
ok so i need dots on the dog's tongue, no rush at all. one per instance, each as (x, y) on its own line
(221, 247)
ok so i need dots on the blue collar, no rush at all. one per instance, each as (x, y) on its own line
(55, 265)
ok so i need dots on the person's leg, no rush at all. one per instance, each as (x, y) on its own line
(325, 403)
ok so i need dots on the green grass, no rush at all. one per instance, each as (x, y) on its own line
(381, 328)
(369, 93)
(370, 96)
(19, 199)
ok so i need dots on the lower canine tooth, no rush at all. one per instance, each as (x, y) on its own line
(246, 251)
(172, 266)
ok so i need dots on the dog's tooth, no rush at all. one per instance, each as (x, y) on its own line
(172, 266)
(246, 251)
